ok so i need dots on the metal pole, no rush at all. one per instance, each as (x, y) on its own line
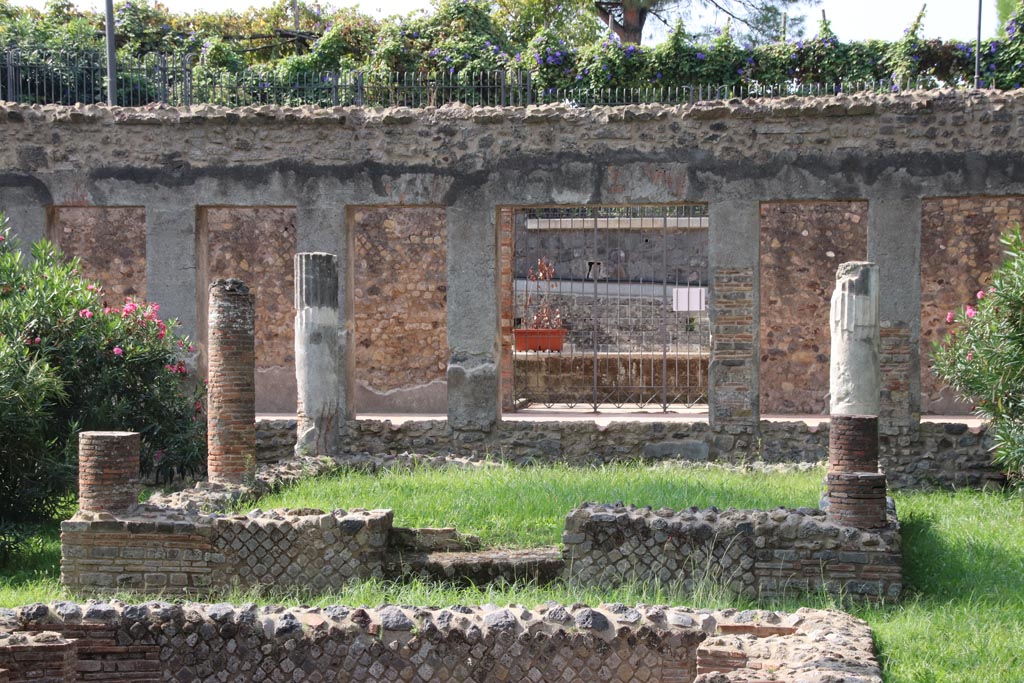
(977, 52)
(111, 57)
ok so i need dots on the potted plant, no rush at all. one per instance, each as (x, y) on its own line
(542, 328)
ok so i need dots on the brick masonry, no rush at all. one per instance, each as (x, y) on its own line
(110, 242)
(108, 471)
(160, 641)
(755, 553)
(733, 354)
(154, 550)
(802, 243)
(255, 245)
(857, 499)
(231, 413)
(853, 444)
(38, 657)
(400, 307)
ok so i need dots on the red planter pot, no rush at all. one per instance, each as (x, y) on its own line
(539, 339)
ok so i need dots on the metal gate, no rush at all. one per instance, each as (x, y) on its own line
(610, 306)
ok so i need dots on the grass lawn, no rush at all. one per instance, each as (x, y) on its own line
(962, 617)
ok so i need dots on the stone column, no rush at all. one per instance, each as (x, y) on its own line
(473, 370)
(317, 353)
(108, 471)
(856, 490)
(231, 421)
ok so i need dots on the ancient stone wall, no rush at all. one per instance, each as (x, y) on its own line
(894, 151)
(755, 553)
(156, 550)
(959, 250)
(109, 241)
(946, 455)
(160, 641)
(802, 243)
(400, 308)
(255, 245)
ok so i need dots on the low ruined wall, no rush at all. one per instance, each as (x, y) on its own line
(155, 550)
(159, 641)
(755, 553)
(949, 455)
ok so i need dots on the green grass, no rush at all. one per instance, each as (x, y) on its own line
(509, 507)
(961, 620)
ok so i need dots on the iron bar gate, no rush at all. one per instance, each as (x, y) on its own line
(610, 306)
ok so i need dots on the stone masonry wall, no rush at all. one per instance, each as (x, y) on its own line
(947, 455)
(892, 150)
(256, 245)
(802, 243)
(755, 553)
(156, 550)
(400, 308)
(159, 641)
(110, 241)
(959, 250)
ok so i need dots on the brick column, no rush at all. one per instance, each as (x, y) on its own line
(108, 471)
(857, 499)
(317, 353)
(231, 421)
(852, 444)
(856, 490)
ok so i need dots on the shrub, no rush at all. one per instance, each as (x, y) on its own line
(69, 361)
(983, 356)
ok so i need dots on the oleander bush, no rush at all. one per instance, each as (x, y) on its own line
(983, 356)
(71, 360)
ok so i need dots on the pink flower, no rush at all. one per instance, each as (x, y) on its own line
(129, 307)
(980, 294)
(91, 288)
(191, 348)
(950, 318)
(158, 456)
(107, 310)
(85, 313)
(118, 351)
(971, 312)
(970, 355)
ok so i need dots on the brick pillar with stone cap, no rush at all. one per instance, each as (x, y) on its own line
(856, 489)
(108, 471)
(317, 353)
(231, 393)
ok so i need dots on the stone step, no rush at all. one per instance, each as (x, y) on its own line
(541, 565)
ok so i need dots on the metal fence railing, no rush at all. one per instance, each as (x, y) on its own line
(49, 77)
(609, 306)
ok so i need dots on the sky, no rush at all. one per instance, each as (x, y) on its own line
(851, 19)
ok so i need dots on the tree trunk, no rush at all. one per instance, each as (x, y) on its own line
(630, 28)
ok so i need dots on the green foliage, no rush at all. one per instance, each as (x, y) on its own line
(253, 57)
(1004, 10)
(521, 20)
(70, 361)
(983, 356)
